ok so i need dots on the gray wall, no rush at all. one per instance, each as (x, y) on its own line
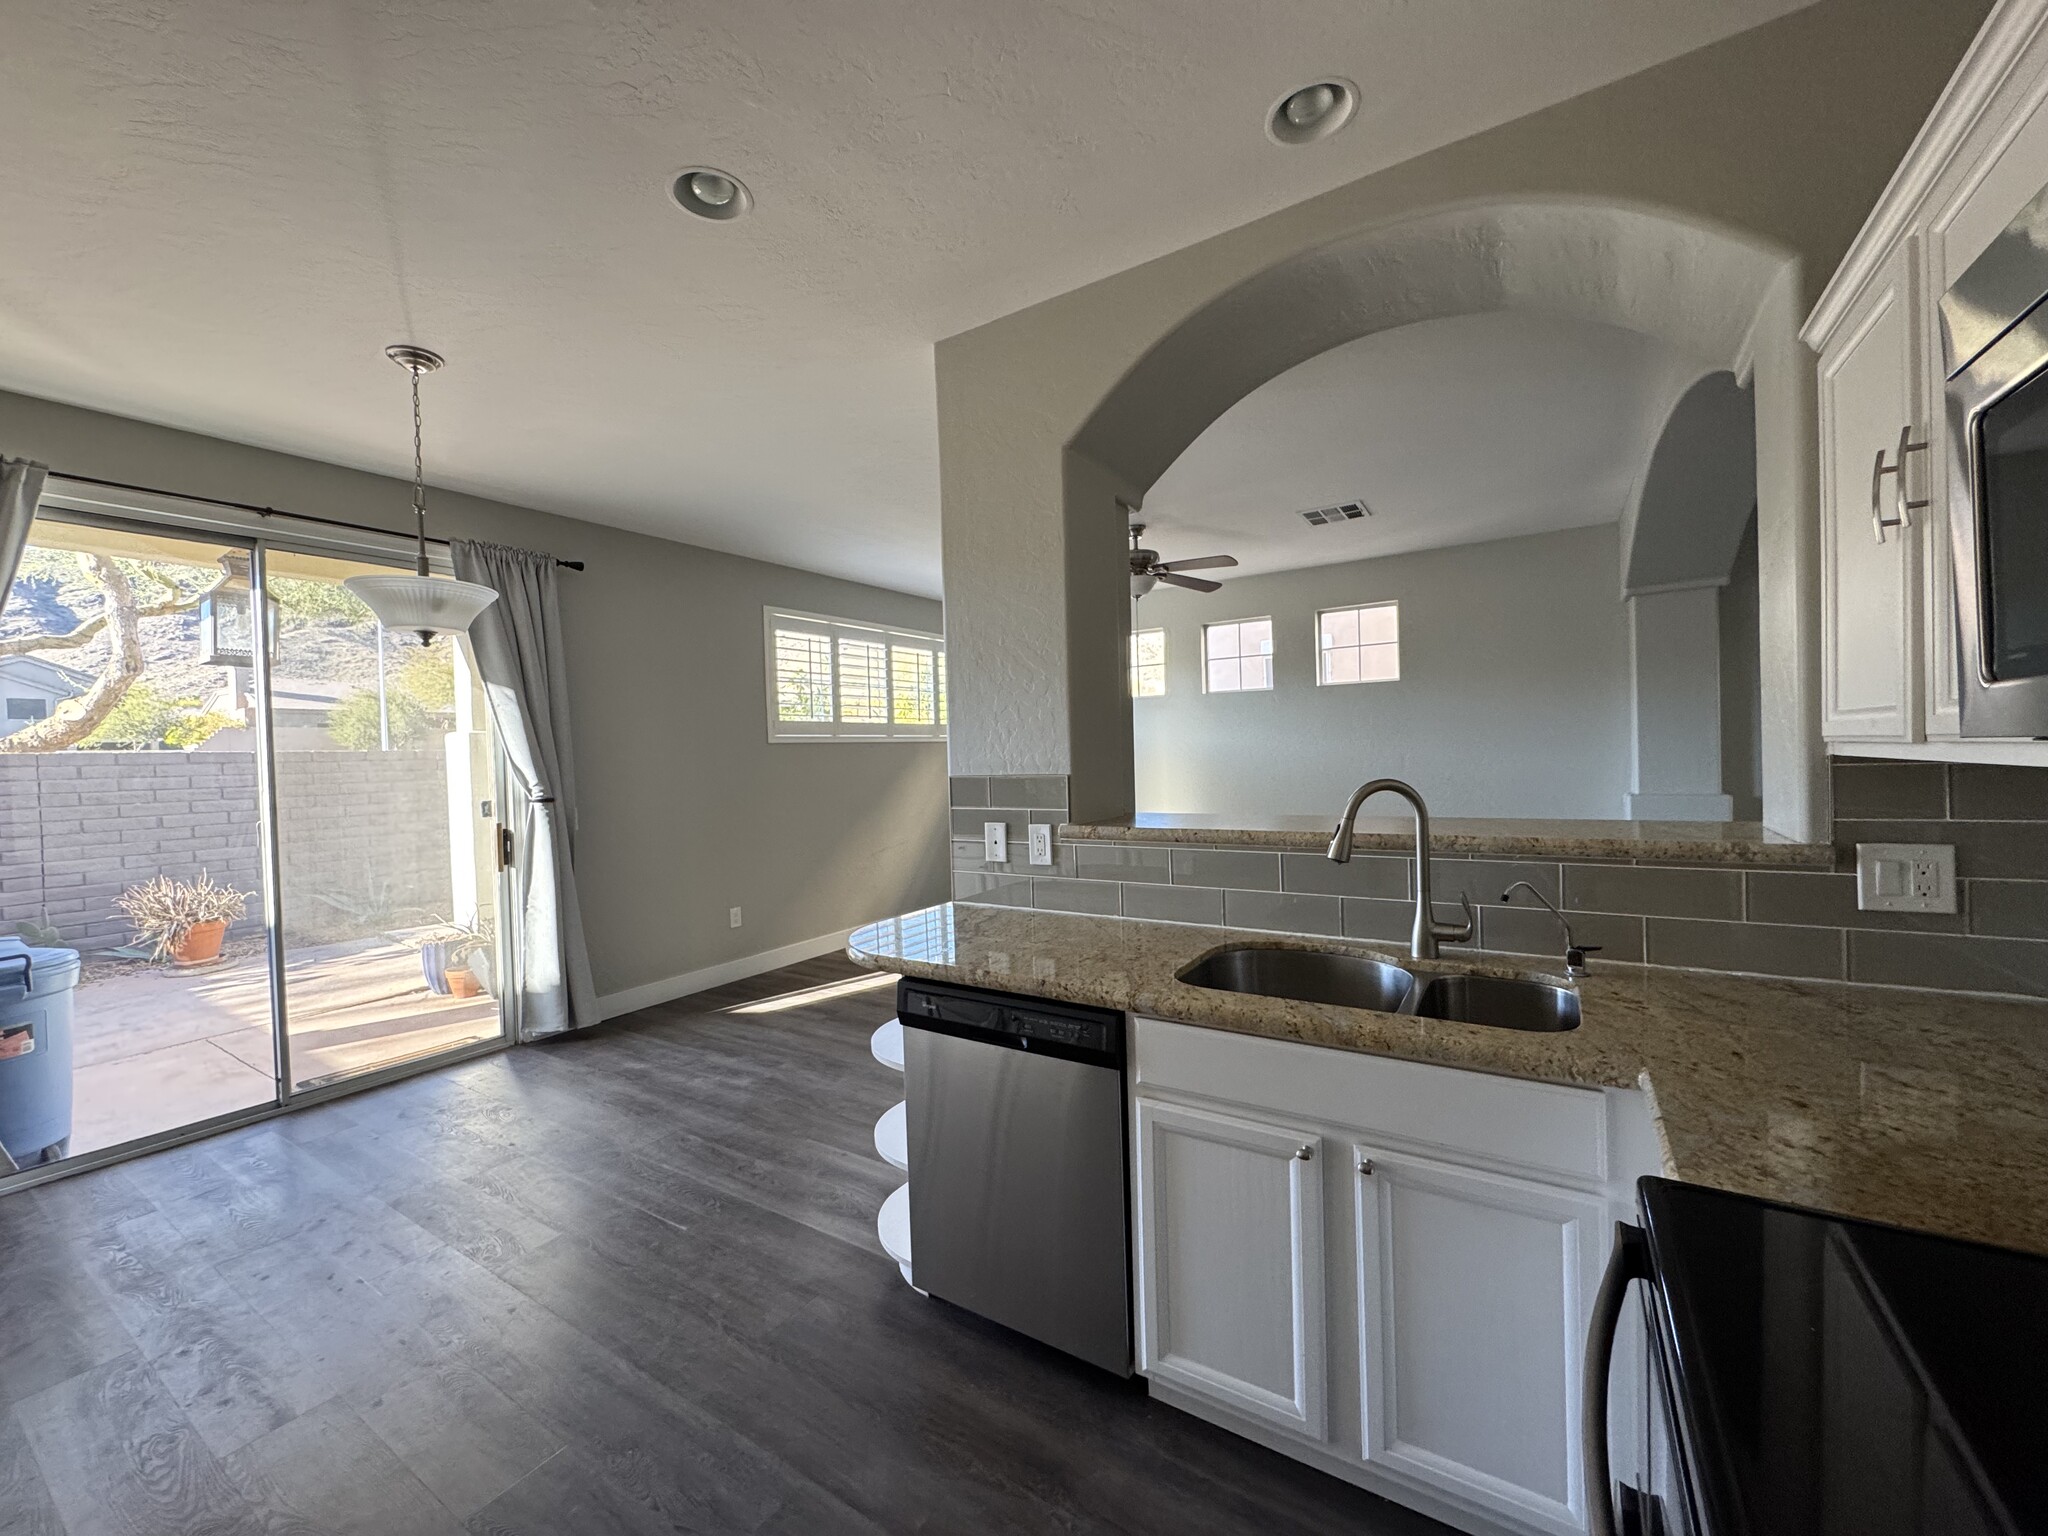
(1513, 698)
(687, 808)
(1786, 134)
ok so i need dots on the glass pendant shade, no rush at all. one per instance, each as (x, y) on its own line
(427, 604)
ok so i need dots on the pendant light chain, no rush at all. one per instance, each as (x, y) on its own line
(419, 475)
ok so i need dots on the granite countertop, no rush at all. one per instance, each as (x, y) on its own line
(1926, 1109)
(1664, 842)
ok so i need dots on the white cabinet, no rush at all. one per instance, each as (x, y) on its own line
(1380, 1267)
(1473, 1293)
(1869, 408)
(1230, 1244)
(1888, 653)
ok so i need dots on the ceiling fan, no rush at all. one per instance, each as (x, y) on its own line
(1147, 570)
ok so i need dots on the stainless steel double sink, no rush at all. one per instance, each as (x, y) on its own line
(1359, 981)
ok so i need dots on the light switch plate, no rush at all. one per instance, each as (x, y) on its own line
(995, 842)
(1041, 842)
(1905, 877)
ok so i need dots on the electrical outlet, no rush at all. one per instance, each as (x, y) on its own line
(1041, 842)
(1905, 877)
(732, 917)
(995, 842)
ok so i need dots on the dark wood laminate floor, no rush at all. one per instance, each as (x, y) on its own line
(627, 1282)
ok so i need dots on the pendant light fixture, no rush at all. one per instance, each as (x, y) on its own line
(425, 604)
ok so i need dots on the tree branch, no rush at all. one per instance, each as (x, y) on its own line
(76, 639)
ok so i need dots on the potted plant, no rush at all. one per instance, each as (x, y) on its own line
(456, 958)
(183, 921)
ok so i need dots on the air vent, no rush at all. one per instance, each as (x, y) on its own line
(1348, 512)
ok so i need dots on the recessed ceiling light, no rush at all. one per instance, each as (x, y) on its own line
(709, 193)
(1312, 112)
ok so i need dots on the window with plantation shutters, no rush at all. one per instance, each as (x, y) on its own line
(835, 679)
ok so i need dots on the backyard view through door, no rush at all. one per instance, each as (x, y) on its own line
(141, 817)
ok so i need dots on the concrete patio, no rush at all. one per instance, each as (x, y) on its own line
(158, 1049)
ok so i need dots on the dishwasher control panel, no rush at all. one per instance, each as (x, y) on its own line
(1016, 1022)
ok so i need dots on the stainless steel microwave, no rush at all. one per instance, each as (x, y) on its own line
(1994, 327)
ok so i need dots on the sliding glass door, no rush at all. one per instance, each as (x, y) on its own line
(384, 810)
(265, 830)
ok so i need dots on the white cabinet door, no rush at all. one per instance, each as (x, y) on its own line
(1473, 1297)
(1870, 631)
(1230, 1262)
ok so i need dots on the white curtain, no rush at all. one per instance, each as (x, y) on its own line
(21, 487)
(517, 643)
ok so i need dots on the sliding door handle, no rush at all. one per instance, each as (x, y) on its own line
(504, 848)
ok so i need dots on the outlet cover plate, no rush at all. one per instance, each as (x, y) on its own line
(995, 842)
(1041, 842)
(1905, 877)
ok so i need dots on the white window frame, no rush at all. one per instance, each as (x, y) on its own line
(1316, 638)
(1272, 656)
(1160, 631)
(833, 630)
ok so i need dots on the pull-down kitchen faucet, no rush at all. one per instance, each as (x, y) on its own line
(1422, 942)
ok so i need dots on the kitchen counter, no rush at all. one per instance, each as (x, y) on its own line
(1926, 1109)
(1660, 842)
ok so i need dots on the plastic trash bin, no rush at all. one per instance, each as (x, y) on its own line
(36, 988)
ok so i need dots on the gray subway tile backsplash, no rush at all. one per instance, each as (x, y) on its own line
(1061, 895)
(1283, 912)
(1815, 898)
(1365, 874)
(1485, 880)
(1174, 904)
(1985, 850)
(1532, 931)
(1761, 949)
(1234, 868)
(1793, 923)
(1909, 791)
(1653, 891)
(2013, 909)
(1028, 789)
(1121, 861)
(1997, 792)
(1954, 961)
(991, 890)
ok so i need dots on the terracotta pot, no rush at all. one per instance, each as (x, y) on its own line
(199, 944)
(463, 984)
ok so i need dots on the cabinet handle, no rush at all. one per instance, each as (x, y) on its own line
(1304, 1152)
(1365, 1166)
(1904, 508)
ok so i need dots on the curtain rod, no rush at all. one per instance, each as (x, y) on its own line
(245, 506)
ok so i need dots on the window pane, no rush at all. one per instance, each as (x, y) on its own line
(1219, 640)
(803, 676)
(912, 679)
(1340, 627)
(1379, 624)
(1341, 665)
(1257, 672)
(940, 687)
(1149, 647)
(1255, 637)
(863, 682)
(1379, 663)
(1223, 675)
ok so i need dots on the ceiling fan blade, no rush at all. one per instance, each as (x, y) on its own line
(1192, 583)
(1202, 563)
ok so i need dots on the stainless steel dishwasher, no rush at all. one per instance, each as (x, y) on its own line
(1018, 1208)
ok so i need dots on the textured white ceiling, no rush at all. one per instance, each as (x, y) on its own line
(220, 211)
(1452, 431)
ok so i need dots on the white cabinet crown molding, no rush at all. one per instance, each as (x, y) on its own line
(2005, 36)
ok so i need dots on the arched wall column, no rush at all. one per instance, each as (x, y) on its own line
(1718, 298)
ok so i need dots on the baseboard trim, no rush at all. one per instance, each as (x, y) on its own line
(612, 1004)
